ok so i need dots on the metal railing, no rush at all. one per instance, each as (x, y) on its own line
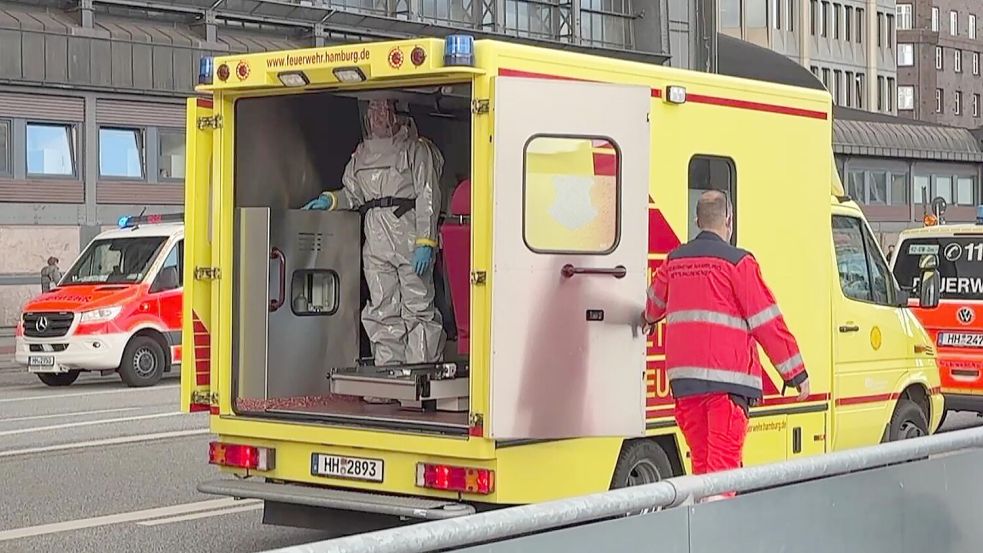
(543, 517)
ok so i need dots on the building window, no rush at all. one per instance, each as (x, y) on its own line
(860, 25)
(890, 93)
(972, 26)
(938, 58)
(880, 93)
(847, 23)
(921, 189)
(938, 100)
(756, 14)
(730, 14)
(958, 110)
(964, 191)
(958, 60)
(889, 39)
(563, 211)
(824, 20)
(906, 55)
(790, 15)
(935, 20)
(826, 78)
(906, 98)
(121, 153)
(976, 105)
(849, 88)
(837, 87)
(5, 147)
(50, 150)
(815, 71)
(954, 23)
(943, 188)
(880, 29)
(903, 12)
(860, 91)
(836, 21)
(711, 173)
(814, 16)
(171, 161)
(776, 14)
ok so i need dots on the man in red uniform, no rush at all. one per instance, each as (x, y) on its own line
(717, 307)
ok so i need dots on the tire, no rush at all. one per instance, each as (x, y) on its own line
(908, 421)
(945, 413)
(143, 362)
(59, 379)
(641, 462)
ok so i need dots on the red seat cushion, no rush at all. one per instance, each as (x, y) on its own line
(456, 238)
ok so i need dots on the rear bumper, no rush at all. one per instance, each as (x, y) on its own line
(344, 500)
(964, 402)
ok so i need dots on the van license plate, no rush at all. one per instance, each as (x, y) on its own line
(41, 360)
(961, 339)
(354, 468)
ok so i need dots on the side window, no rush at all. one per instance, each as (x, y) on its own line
(851, 258)
(571, 193)
(175, 259)
(863, 273)
(711, 173)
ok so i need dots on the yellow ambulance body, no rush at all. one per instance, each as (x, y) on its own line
(584, 172)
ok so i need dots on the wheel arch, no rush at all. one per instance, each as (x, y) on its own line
(157, 336)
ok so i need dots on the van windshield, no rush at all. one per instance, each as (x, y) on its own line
(960, 264)
(116, 260)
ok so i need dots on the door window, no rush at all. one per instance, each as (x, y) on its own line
(175, 262)
(863, 273)
(571, 195)
(711, 173)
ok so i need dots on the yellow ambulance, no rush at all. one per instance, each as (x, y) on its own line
(568, 178)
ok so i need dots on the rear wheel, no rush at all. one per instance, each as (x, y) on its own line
(59, 379)
(143, 362)
(908, 421)
(641, 462)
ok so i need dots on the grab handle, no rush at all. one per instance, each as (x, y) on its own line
(617, 272)
(275, 304)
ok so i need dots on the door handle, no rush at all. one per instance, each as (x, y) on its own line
(276, 254)
(617, 272)
(849, 328)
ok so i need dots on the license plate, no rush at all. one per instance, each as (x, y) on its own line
(961, 339)
(41, 360)
(353, 468)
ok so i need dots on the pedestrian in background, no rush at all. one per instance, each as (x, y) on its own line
(50, 274)
(890, 253)
(717, 306)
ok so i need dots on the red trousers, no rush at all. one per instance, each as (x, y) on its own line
(714, 427)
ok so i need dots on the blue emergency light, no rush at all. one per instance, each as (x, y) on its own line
(459, 50)
(205, 70)
(979, 215)
(131, 221)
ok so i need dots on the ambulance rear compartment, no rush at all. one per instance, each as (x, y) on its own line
(299, 350)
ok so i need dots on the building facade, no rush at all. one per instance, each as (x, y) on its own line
(847, 44)
(939, 50)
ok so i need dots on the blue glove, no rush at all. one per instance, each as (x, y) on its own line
(422, 258)
(321, 202)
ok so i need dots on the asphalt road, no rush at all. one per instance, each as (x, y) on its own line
(97, 467)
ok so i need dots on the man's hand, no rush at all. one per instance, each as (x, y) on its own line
(803, 390)
(648, 328)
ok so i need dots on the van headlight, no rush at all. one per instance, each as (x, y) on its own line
(101, 315)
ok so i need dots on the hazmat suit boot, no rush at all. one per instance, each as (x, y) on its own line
(400, 318)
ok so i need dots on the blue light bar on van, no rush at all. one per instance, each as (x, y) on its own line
(459, 50)
(205, 66)
(136, 220)
(979, 215)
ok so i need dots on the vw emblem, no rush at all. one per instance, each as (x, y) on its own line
(965, 315)
(953, 251)
(42, 324)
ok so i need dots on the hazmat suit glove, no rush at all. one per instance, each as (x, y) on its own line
(422, 258)
(323, 201)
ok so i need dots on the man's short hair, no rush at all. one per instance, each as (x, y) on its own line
(712, 209)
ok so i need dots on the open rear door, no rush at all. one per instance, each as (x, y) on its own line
(570, 248)
(196, 374)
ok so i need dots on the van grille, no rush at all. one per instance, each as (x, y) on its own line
(47, 324)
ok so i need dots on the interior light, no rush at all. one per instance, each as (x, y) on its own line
(293, 78)
(676, 94)
(349, 74)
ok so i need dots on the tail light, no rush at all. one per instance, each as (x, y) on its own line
(457, 479)
(241, 456)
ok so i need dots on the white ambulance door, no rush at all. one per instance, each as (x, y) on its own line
(570, 248)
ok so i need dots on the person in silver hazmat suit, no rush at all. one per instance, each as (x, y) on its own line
(393, 179)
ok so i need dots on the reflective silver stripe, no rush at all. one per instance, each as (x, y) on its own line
(715, 375)
(703, 316)
(763, 316)
(655, 299)
(792, 362)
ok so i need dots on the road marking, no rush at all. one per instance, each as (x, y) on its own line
(96, 393)
(133, 516)
(75, 413)
(87, 423)
(106, 442)
(253, 505)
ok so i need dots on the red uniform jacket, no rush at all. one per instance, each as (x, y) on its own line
(716, 307)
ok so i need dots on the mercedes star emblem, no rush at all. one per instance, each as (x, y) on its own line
(41, 324)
